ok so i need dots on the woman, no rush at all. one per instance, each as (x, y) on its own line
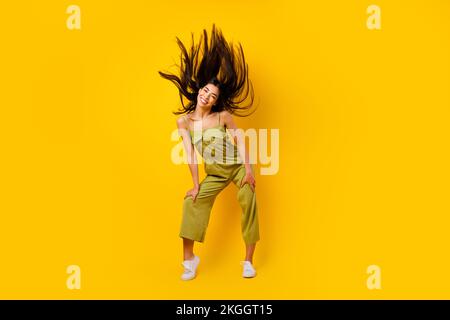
(213, 87)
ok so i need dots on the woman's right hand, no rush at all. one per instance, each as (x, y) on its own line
(193, 193)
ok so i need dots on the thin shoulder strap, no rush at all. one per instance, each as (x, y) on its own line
(185, 120)
(219, 117)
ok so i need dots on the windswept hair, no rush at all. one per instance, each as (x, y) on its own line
(220, 64)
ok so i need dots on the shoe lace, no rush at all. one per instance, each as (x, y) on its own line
(188, 266)
(247, 265)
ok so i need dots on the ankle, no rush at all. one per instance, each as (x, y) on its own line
(189, 256)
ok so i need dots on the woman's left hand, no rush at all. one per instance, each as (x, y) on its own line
(250, 180)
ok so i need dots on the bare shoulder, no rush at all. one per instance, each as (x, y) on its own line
(182, 122)
(226, 116)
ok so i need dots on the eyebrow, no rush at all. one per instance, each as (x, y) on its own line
(215, 95)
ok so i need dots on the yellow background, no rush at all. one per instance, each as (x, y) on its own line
(364, 171)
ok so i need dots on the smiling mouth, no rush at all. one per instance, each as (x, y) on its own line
(203, 100)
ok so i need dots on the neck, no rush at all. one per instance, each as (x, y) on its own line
(201, 113)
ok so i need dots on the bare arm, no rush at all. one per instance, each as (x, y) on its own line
(183, 130)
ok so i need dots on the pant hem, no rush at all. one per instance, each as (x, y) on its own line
(192, 238)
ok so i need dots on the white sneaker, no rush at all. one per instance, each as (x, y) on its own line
(190, 268)
(248, 270)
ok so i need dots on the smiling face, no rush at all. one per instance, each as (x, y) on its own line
(207, 96)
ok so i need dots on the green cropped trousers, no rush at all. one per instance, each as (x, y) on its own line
(196, 214)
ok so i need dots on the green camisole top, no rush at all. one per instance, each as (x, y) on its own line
(214, 144)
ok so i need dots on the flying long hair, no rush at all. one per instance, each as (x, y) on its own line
(217, 62)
